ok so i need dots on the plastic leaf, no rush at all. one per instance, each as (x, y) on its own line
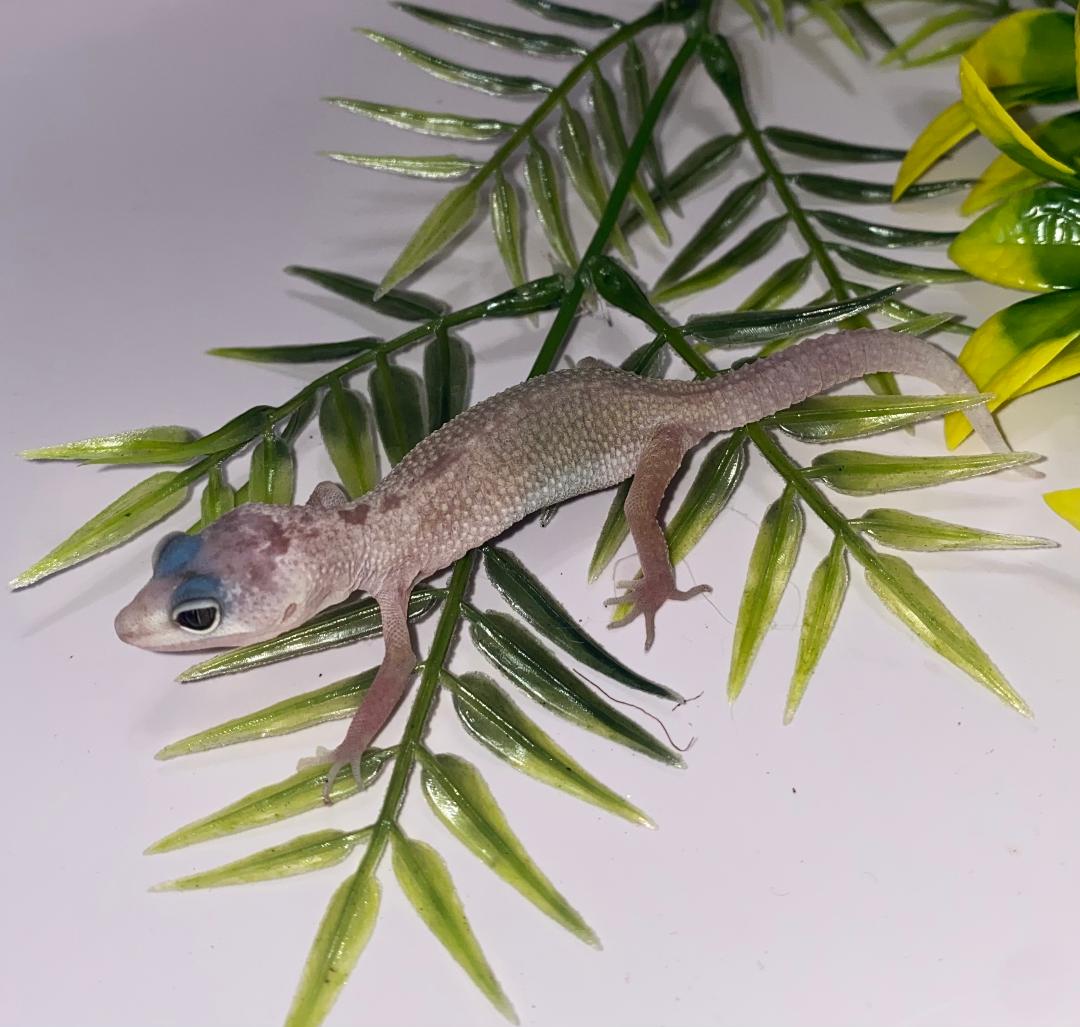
(343, 933)
(491, 82)
(141, 507)
(824, 597)
(435, 123)
(927, 30)
(302, 855)
(890, 267)
(141, 446)
(303, 353)
(345, 424)
(273, 472)
(743, 328)
(462, 800)
(445, 166)
(570, 15)
(806, 144)
(533, 668)
(405, 306)
(506, 224)
(536, 605)
(635, 76)
(830, 17)
(758, 242)
(446, 377)
(1031, 241)
(449, 218)
(348, 622)
(756, 16)
(1066, 504)
(1028, 47)
(1012, 348)
(399, 411)
(899, 529)
(858, 473)
(492, 718)
(731, 212)
(897, 585)
(218, 497)
(424, 879)
(875, 234)
(841, 418)
(538, 43)
(543, 183)
(851, 190)
(771, 563)
(296, 794)
(331, 702)
(780, 286)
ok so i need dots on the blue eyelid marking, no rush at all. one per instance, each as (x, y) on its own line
(175, 553)
(202, 586)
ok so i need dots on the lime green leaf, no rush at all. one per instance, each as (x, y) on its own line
(443, 166)
(858, 473)
(302, 855)
(929, 28)
(273, 472)
(732, 211)
(616, 148)
(806, 144)
(890, 267)
(345, 424)
(824, 597)
(399, 411)
(435, 123)
(776, 9)
(492, 718)
(462, 800)
(218, 498)
(899, 529)
(875, 234)
(305, 353)
(533, 668)
(570, 15)
(506, 224)
(994, 121)
(538, 43)
(756, 16)
(543, 182)
(585, 174)
(343, 933)
(1066, 504)
(331, 702)
(536, 605)
(851, 190)
(491, 82)
(830, 17)
(1012, 348)
(424, 879)
(758, 242)
(697, 168)
(399, 303)
(449, 218)
(446, 376)
(897, 310)
(348, 622)
(296, 794)
(1031, 241)
(771, 563)
(897, 585)
(744, 328)
(141, 507)
(141, 446)
(840, 418)
(780, 286)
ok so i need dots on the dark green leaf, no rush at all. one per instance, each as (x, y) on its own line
(570, 15)
(635, 76)
(806, 144)
(345, 424)
(890, 267)
(405, 306)
(539, 43)
(780, 286)
(506, 224)
(273, 472)
(304, 353)
(218, 497)
(399, 412)
(852, 190)
(877, 234)
(435, 123)
(446, 377)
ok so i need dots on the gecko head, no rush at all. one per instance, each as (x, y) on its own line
(255, 572)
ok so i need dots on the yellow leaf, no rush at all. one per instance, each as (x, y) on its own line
(1066, 504)
(952, 126)
(1065, 365)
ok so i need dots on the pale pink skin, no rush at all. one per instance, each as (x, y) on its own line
(532, 446)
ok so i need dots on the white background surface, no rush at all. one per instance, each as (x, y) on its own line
(904, 854)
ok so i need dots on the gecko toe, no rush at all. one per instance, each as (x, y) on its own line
(331, 776)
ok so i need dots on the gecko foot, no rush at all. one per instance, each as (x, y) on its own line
(646, 595)
(337, 765)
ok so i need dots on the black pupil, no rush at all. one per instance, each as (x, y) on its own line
(199, 618)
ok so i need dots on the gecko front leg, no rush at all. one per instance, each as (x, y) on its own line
(659, 461)
(386, 691)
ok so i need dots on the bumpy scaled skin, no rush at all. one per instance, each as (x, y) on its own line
(261, 570)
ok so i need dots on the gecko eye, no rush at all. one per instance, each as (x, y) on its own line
(198, 615)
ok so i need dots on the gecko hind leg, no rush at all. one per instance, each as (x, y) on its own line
(382, 698)
(660, 460)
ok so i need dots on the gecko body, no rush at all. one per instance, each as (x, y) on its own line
(260, 570)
